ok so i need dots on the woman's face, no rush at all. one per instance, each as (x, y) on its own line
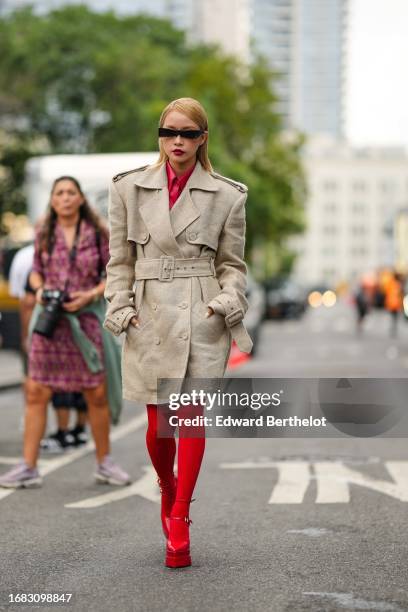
(182, 152)
(66, 199)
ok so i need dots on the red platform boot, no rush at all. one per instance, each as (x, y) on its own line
(178, 543)
(168, 493)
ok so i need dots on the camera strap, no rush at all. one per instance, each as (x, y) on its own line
(73, 252)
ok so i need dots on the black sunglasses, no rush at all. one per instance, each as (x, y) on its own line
(167, 132)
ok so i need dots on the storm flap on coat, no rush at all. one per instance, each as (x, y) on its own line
(175, 339)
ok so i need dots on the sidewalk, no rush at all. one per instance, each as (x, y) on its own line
(11, 369)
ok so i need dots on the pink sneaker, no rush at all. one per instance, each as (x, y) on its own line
(21, 476)
(109, 472)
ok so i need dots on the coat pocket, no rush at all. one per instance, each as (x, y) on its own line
(201, 236)
(208, 329)
(145, 319)
(138, 234)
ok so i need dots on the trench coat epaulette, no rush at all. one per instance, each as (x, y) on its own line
(117, 177)
(240, 186)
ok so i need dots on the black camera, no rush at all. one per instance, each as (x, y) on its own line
(49, 317)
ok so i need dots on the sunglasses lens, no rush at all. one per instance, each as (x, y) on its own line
(165, 133)
(168, 133)
(192, 133)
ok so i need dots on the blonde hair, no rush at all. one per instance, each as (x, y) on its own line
(194, 111)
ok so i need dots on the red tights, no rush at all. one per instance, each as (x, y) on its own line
(162, 450)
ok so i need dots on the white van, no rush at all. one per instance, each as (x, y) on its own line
(94, 172)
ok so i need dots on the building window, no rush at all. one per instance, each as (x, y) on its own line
(330, 185)
(359, 251)
(358, 207)
(387, 186)
(359, 186)
(329, 230)
(328, 251)
(330, 207)
(358, 230)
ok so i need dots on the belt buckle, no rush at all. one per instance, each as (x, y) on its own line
(234, 317)
(166, 269)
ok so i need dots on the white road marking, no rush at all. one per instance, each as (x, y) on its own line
(354, 349)
(55, 464)
(317, 326)
(16, 460)
(333, 480)
(310, 531)
(323, 351)
(146, 487)
(341, 325)
(349, 602)
(10, 460)
(391, 352)
(293, 481)
(117, 434)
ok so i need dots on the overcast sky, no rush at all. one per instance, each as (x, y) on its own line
(377, 75)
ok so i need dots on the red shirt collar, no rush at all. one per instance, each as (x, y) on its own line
(181, 180)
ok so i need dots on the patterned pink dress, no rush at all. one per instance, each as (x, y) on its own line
(57, 362)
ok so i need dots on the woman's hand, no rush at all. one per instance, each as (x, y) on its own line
(38, 295)
(134, 321)
(79, 300)
(210, 311)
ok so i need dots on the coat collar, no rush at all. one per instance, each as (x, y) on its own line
(155, 177)
(165, 224)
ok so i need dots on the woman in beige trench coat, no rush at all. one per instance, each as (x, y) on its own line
(176, 283)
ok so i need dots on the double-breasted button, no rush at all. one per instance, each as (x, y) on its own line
(193, 235)
(183, 305)
(157, 340)
(184, 336)
(154, 306)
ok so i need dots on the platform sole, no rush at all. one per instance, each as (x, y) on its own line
(175, 560)
(35, 483)
(112, 481)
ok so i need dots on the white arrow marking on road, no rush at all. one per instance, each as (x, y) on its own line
(333, 480)
(293, 480)
(146, 487)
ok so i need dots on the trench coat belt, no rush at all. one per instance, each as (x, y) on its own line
(168, 267)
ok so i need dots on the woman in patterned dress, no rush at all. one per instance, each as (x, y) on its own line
(56, 363)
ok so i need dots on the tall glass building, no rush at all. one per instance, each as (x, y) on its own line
(271, 27)
(304, 41)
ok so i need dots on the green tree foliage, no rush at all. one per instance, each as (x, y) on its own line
(96, 82)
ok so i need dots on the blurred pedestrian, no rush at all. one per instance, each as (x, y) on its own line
(364, 298)
(178, 230)
(394, 299)
(20, 269)
(68, 351)
(362, 306)
(20, 287)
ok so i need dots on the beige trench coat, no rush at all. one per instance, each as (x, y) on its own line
(204, 230)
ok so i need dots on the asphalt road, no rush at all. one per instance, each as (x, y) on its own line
(282, 524)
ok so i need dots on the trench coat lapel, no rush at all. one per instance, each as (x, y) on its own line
(155, 209)
(165, 224)
(185, 210)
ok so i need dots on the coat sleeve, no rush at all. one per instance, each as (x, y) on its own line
(120, 270)
(230, 266)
